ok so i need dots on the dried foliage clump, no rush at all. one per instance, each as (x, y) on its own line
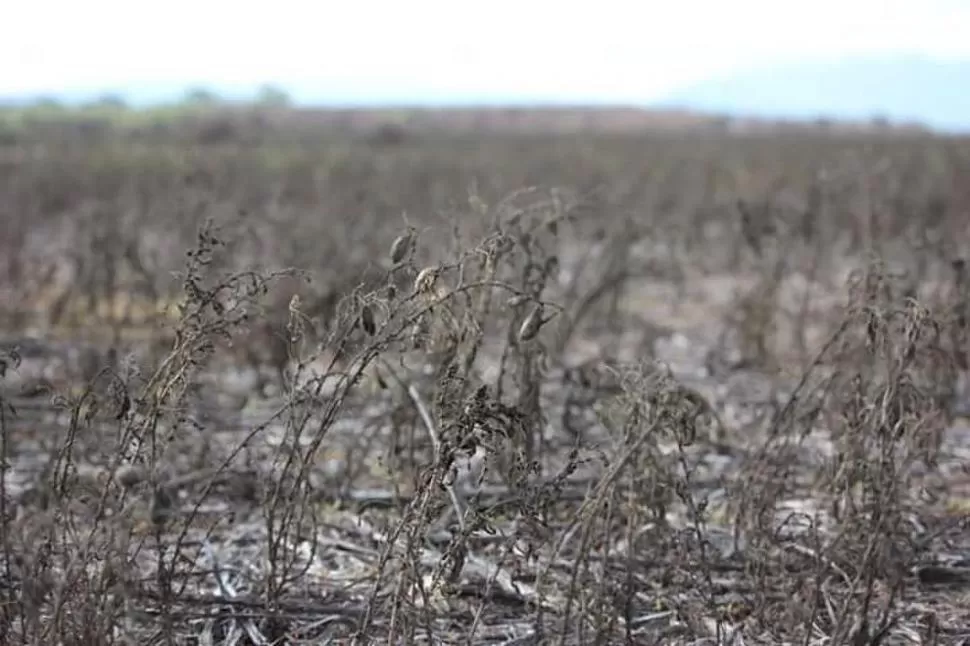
(300, 387)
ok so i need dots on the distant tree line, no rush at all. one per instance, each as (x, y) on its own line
(267, 96)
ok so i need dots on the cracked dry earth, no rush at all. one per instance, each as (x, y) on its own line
(364, 478)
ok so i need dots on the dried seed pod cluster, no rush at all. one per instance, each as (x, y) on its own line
(426, 280)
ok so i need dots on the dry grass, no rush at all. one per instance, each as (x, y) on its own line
(322, 389)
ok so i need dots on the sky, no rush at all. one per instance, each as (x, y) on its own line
(607, 50)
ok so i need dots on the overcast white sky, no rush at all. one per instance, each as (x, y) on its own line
(609, 49)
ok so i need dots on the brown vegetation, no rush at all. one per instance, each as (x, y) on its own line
(286, 385)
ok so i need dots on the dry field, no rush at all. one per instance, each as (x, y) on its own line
(280, 384)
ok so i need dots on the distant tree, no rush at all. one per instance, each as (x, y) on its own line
(272, 96)
(110, 100)
(721, 123)
(47, 104)
(200, 97)
(879, 122)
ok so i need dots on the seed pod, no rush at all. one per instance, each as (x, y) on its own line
(161, 506)
(552, 266)
(400, 247)
(530, 327)
(367, 319)
(129, 475)
(379, 378)
(9, 360)
(959, 268)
